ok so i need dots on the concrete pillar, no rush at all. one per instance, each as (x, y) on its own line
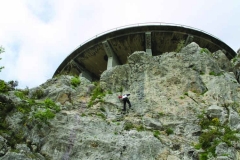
(112, 57)
(148, 43)
(189, 39)
(86, 75)
(84, 72)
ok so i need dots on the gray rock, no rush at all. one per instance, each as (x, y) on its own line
(215, 111)
(3, 146)
(168, 92)
(23, 148)
(15, 156)
(222, 60)
(222, 150)
(152, 123)
(234, 119)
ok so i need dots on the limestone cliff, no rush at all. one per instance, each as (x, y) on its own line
(186, 105)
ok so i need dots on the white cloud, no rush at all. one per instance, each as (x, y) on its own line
(38, 35)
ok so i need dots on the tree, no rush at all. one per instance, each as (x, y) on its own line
(1, 51)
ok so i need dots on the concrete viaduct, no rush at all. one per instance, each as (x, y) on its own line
(112, 47)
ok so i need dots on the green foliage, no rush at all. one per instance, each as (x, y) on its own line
(234, 59)
(214, 133)
(20, 95)
(169, 131)
(97, 93)
(180, 45)
(83, 115)
(24, 107)
(1, 51)
(38, 93)
(44, 115)
(202, 73)
(25, 91)
(156, 133)
(140, 128)
(198, 146)
(109, 92)
(182, 97)
(120, 89)
(161, 114)
(215, 74)
(75, 81)
(186, 93)
(102, 109)
(3, 87)
(205, 50)
(128, 126)
(101, 115)
(203, 156)
(48, 103)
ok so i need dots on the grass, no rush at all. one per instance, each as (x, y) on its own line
(38, 93)
(20, 95)
(205, 50)
(101, 115)
(128, 126)
(48, 103)
(97, 93)
(140, 128)
(44, 115)
(169, 131)
(161, 114)
(3, 87)
(156, 133)
(75, 81)
(215, 74)
(214, 133)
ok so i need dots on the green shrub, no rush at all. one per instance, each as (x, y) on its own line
(215, 133)
(20, 95)
(50, 104)
(169, 131)
(3, 87)
(102, 109)
(128, 126)
(101, 115)
(44, 115)
(215, 74)
(234, 59)
(120, 89)
(161, 114)
(83, 115)
(24, 107)
(205, 50)
(38, 93)
(156, 133)
(97, 93)
(25, 91)
(75, 81)
(140, 128)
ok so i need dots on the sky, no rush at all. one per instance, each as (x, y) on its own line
(38, 35)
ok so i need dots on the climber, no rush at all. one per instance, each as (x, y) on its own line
(125, 100)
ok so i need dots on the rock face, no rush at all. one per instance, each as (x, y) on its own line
(183, 106)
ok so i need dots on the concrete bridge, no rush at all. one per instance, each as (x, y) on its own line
(112, 47)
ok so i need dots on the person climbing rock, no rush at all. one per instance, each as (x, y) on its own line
(125, 100)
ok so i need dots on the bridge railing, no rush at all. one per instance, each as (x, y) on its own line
(144, 24)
